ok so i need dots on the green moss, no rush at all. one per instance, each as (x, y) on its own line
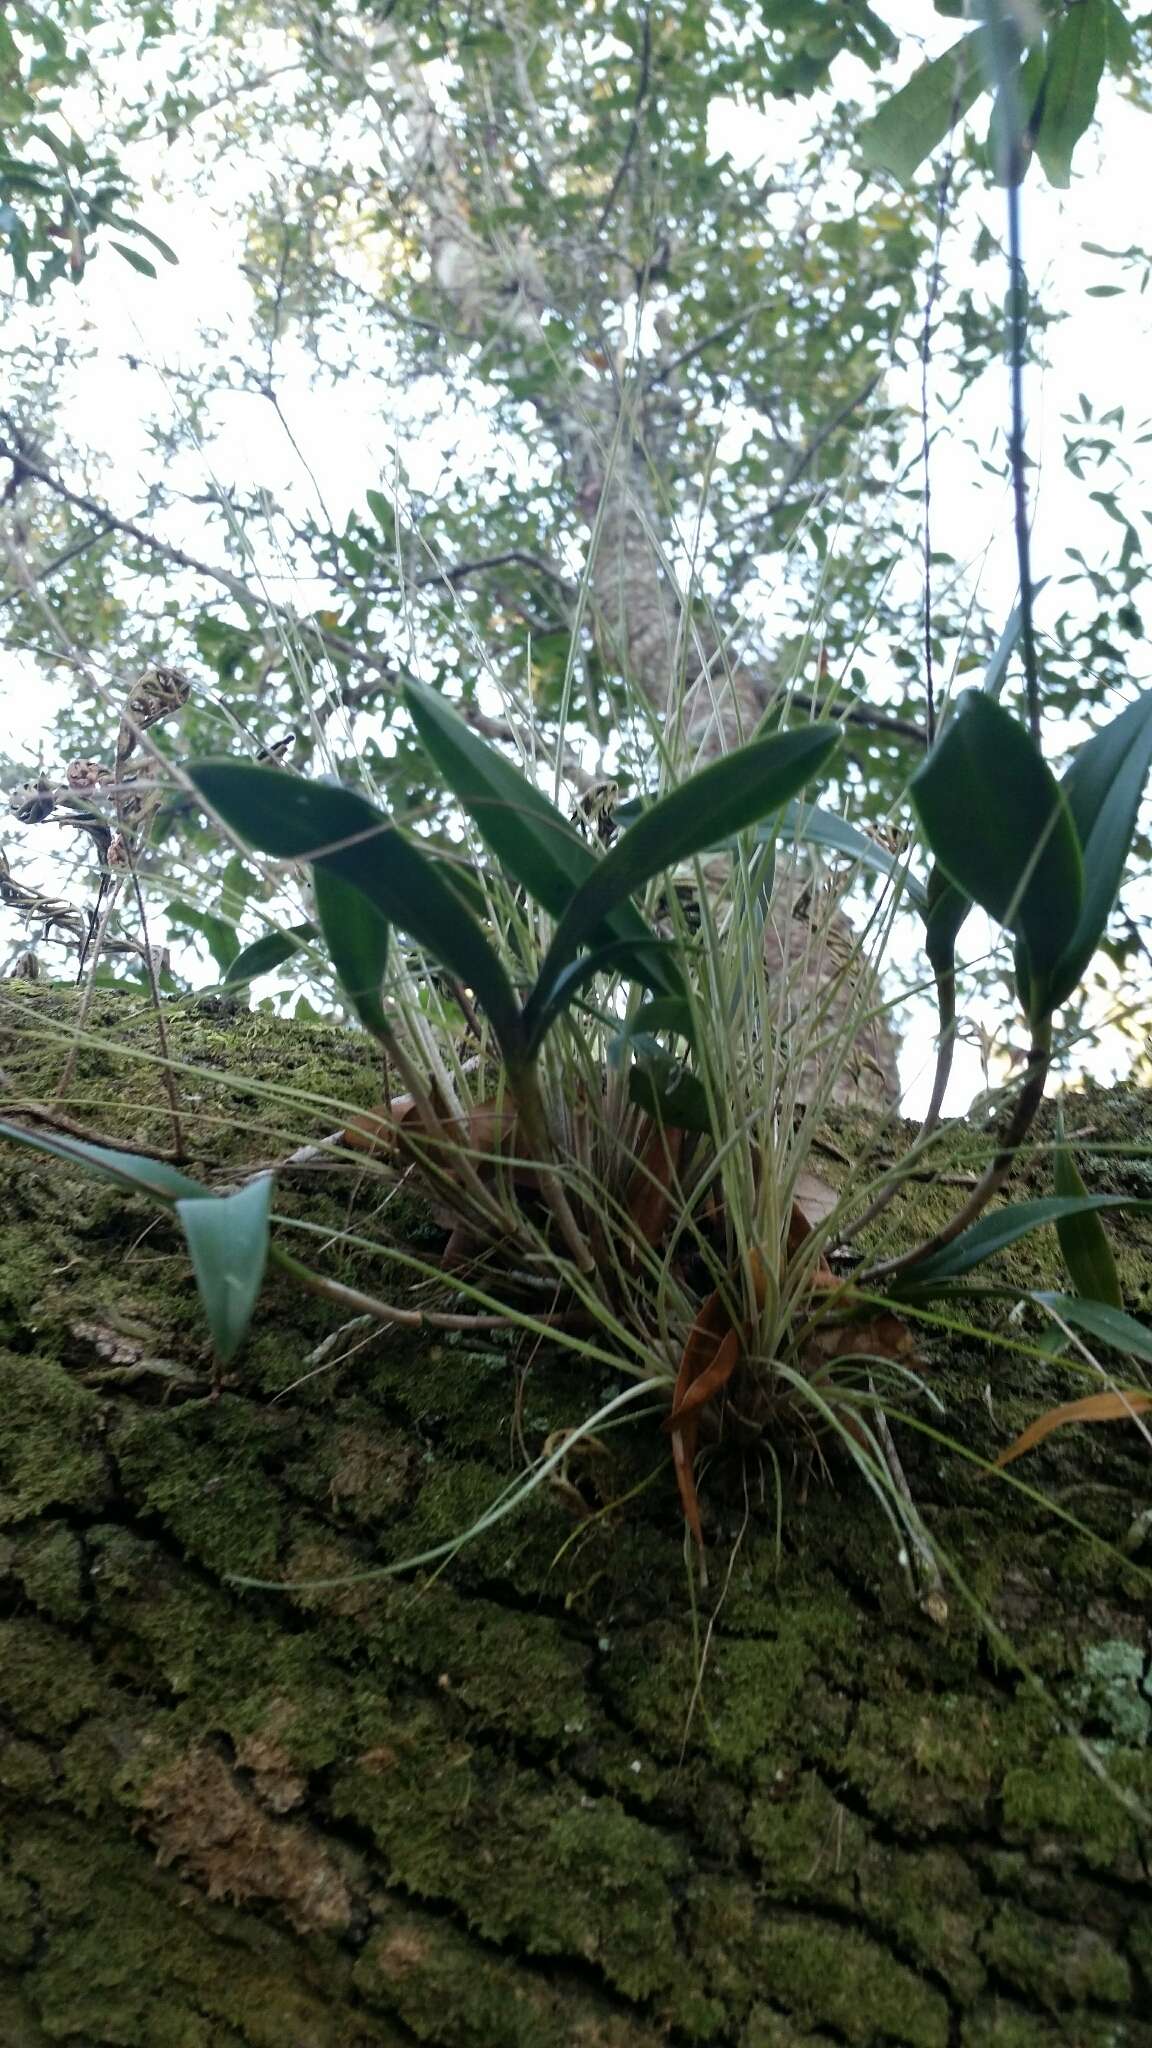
(1057, 1966)
(49, 1564)
(46, 1685)
(50, 1453)
(820, 1975)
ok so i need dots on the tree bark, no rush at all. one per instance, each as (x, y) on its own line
(548, 1797)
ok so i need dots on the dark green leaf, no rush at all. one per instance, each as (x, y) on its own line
(296, 820)
(1083, 1239)
(1102, 788)
(1077, 46)
(647, 962)
(1108, 1325)
(730, 794)
(661, 1088)
(531, 839)
(227, 1239)
(268, 952)
(1003, 1227)
(134, 257)
(356, 936)
(666, 1013)
(908, 127)
(998, 824)
(132, 1170)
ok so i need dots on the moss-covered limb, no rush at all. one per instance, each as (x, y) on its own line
(501, 1805)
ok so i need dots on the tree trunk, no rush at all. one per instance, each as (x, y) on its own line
(532, 1799)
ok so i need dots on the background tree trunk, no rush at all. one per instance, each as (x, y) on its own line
(508, 1804)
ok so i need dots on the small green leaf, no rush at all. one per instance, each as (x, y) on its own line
(1103, 787)
(648, 963)
(666, 1013)
(1083, 1239)
(908, 127)
(730, 794)
(134, 257)
(1108, 1325)
(1077, 47)
(267, 952)
(227, 1238)
(131, 1170)
(292, 819)
(356, 936)
(1003, 1227)
(998, 824)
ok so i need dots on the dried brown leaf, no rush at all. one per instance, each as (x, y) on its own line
(1118, 1407)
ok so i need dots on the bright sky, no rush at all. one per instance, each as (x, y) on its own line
(1102, 349)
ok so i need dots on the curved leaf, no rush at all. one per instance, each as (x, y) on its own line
(728, 795)
(1103, 787)
(1077, 46)
(266, 953)
(1098, 1319)
(1113, 1407)
(531, 839)
(227, 1238)
(999, 826)
(356, 935)
(1084, 1241)
(811, 825)
(335, 828)
(621, 957)
(1003, 1227)
(132, 1170)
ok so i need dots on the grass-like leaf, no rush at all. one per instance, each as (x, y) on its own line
(1113, 1407)
(227, 1238)
(292, 819)
(1001, 830)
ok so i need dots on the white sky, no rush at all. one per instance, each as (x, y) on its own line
(1102, 349)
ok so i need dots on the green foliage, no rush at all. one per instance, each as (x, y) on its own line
(1044, 859)
(1005, 1226)
(1084, 1242)
(227, 1239)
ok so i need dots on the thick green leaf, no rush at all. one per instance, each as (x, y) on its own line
(531, 839)
(1108, 1325)
(662, 1089)
(666, 1013)
(356, 936)
(998, 824)
(728, 795)
(1103, 787)
(296, 820)
(1077, 47)
(908, 127)
(1003, 1227)
(1084, 1241)
(267, 952)
(132, 1170)
(134, 257)
(227, 1238)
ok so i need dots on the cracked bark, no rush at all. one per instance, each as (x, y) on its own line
(480, 1809)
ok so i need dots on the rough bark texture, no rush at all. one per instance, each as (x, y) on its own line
(500, 1805)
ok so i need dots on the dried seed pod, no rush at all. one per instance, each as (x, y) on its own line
(155, 694)
(32, 802)
(25, 967)
(85, 775)
(138, 792)
(118, 856)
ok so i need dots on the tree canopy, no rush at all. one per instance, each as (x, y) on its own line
(639, 325)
